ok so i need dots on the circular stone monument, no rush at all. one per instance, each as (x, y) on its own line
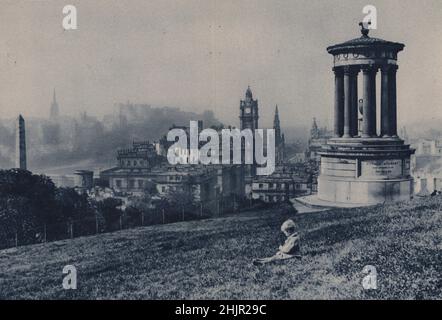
(364, 164)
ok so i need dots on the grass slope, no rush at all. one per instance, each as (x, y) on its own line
(211, 259)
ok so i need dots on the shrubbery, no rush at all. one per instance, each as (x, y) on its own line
(31, 205)
(33, 209)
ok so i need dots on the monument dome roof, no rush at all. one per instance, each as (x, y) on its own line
(365, 42)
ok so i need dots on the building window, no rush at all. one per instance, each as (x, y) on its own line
(163, 189)
(118, 183)
(140, 183)
(131, 183)
(260, 186)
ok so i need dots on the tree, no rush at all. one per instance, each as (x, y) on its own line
(72, 205)
(179, 200)
(75, 208)
(150, 188)
(16, 220)
(26, 201)
(109, 209)
(29, 194)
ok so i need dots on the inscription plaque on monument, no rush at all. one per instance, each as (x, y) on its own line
(338, 167)
(382, 168)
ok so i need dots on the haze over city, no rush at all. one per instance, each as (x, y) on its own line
(121, 176)
(200, 55)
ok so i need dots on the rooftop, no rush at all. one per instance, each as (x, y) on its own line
(365, 42)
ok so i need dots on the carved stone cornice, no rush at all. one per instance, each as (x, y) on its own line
(351, 70)
(370, 69)
(339, 71)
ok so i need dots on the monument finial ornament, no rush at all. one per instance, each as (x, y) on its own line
(364, 30)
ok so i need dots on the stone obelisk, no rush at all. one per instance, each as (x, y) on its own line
(20, 143)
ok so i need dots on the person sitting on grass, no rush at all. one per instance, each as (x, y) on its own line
(290, 248)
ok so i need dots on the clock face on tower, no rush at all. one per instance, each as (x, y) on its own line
(247, 110)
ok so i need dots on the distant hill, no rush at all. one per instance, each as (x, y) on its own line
(68, 141)
(299, 134)
(211, 259)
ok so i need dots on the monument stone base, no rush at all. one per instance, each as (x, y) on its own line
(365, 171)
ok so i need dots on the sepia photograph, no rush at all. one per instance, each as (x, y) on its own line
(220, 154)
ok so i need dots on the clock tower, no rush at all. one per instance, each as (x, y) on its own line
(249, 112)
(248, 117)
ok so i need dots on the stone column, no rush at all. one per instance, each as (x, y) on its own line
(385, 102)
(373, 121)
(347, 102)
(339, 102)
(393, 101)
(20, 144)
(354, 103)
(368, 79)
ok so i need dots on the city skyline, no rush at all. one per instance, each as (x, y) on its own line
(203, 56)
(237, 150)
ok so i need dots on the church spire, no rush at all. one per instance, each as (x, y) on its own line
(276, 123)
(279, 138)
(277, 126)
(54, 113)
(314, 131)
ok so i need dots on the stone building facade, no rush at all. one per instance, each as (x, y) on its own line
(141, 166)
(133, 169)
(277, 187)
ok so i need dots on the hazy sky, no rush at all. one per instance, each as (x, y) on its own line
(202, 54)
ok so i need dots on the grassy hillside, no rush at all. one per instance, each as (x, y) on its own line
(212, 258)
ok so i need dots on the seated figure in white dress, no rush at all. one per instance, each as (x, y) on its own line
(290, 248)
